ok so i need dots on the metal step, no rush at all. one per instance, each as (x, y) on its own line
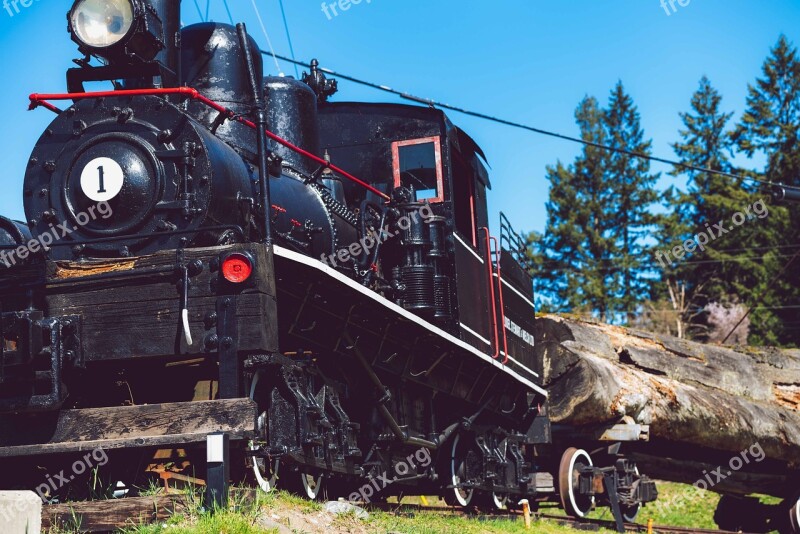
(544, 483)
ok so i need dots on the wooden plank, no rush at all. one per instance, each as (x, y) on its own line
(104, 516)
(111, 515)
(141, 426)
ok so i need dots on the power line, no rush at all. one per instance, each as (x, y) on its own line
(555, 263)
(289, 38)
(269, 41)
(668, 310)
(434, 103)
(762, 295)
(199, 11)
(228, 9)
(706, 170)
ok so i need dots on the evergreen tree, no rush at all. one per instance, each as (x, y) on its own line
(771, 123)
(707, 200)
(771, 127)
(730, 271)
(570, 255)
(631, 199)
(592, 256)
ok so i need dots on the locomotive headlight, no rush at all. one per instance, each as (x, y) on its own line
(101, 23)
(119, 31)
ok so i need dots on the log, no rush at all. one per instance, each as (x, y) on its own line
(704, 403)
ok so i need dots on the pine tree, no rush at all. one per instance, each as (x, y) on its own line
(591, 258)
(771, 127)
(771, 124)
(571, 255)
(631, 199)
(707, 200)
(734, 269)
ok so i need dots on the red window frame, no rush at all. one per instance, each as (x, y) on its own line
(437, 146)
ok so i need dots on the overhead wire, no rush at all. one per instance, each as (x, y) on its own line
(584, 142)
(541, 131)
(269, 41)
(289, 38)
(762, 295)
(199, 11)
(228, 10)
(615, 266)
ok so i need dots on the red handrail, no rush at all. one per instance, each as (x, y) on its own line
(194, 94)
(493, 307)
(500, 293)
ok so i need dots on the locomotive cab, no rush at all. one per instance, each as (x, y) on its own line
(491, 297)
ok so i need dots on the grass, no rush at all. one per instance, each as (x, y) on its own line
(678, 505)
(227, 522)
(427, 523)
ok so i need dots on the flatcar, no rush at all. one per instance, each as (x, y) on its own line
(207, 249)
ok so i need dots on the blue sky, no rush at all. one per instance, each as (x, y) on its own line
(530, 61)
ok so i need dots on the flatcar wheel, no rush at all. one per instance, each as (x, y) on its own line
(794, 517)
(630, 513)
(456, 496)
(573, 503)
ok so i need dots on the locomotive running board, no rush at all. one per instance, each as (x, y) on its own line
(157, 425)
(318, 265)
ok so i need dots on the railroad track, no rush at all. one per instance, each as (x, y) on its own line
(578, 524)
(629, 527)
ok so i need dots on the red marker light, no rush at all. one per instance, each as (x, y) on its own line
(237, 268)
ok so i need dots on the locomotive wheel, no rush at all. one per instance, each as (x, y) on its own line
(265, 472)
(458, 472)
(304, 485)
(747, 514)
(573, 503)
(492, 502)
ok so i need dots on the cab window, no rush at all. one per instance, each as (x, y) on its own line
(418, 165)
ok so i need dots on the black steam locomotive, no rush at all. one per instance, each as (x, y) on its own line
(196, 259)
